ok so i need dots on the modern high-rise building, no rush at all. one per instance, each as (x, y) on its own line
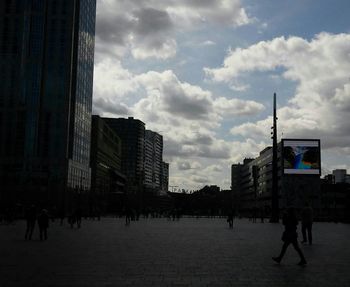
(46, 71)
(165, 178)
(107, 181)
(132, 134)
(153, 161)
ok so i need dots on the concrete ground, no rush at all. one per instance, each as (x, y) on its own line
(158, 252)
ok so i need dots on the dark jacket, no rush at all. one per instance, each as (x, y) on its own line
(290, 223)
(43, 220)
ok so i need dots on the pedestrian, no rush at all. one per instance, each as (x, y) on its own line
(290, 236)
(262, 215)
(30, 218)
(306, 223)
(78, 216)
(230, 219)
(43, 222)
(62, 216)
(71, 219)
(254, 215)
(128, 214)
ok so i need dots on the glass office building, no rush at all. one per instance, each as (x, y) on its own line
(46, 71)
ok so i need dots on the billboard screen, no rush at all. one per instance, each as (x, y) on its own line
(301, 156)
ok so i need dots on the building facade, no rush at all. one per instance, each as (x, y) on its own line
(107, 181)
(153, 162)
(132, 134)
(46, 65)
(341, 176)
(165, 178)
(251, 185)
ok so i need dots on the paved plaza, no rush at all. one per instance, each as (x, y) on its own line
(158, 252)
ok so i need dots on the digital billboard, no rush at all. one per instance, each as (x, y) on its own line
(301, 156)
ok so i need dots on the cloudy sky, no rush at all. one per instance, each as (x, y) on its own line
(203, 72)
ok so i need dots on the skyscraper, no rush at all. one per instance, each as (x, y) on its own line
(107, 181)
(46, 65)
(153, 160)
(132, 133)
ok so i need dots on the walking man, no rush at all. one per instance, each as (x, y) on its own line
(306, 223)
(290, 236)
(230, 219)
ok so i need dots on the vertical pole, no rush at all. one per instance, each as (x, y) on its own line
(274, 195)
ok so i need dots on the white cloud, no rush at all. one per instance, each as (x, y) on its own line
(214, 168)
(239, 87)
(237, 107)
(166, 93)
(148, 28)
(208, 43)
(111, 80)
(106, 107)
(178, 99)
(188, 165)
(321, 104)
(194, 12)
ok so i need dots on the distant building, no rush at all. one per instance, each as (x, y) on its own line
(335, 199)
(107, 181)
(46, 71)
(340, 176)
(251, 184)
(165, 178)
(236, 171)
(153, 162)
(132, 134)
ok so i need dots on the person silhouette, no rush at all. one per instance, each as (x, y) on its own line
(43, 222)
(306, 223)
(230, 219)
(30, 218)
(78, 215)
(128, 216)
(290, 236)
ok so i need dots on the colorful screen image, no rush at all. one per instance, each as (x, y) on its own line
(301, 157)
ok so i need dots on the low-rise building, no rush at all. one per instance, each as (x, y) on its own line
(341, 176)
(251, 181)
(335, 199)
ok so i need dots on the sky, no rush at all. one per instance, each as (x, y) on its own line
(203, 72)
